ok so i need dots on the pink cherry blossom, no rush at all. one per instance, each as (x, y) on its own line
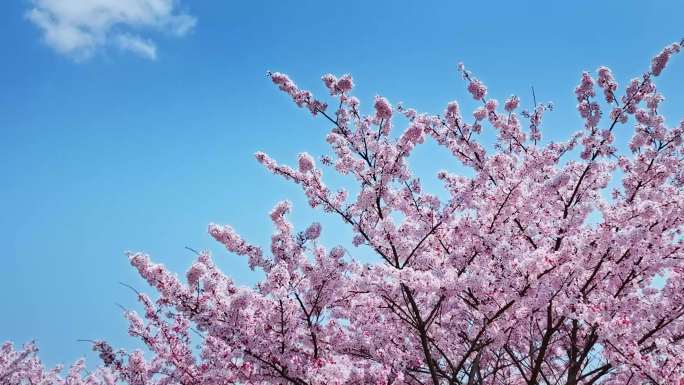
(338, 86)
(512, 103)
(306, 162)
(477, 89)
(313, 231)
(585, 89)
(383, 110)
(660, 61)
(607, 83)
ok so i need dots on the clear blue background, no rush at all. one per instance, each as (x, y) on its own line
(120, 153)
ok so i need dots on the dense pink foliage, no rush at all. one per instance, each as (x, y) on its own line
(24, 367)
(507, 280)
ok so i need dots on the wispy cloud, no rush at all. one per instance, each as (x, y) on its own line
(142, 47)
(80, 28)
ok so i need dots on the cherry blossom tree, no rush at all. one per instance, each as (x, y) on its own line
(24, 367)
(506, 281)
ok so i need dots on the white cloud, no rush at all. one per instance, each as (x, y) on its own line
(79, 28)
(142, 47)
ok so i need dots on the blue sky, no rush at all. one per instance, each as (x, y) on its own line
(135, 133)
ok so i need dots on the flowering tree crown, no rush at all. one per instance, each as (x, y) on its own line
(505, 281)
